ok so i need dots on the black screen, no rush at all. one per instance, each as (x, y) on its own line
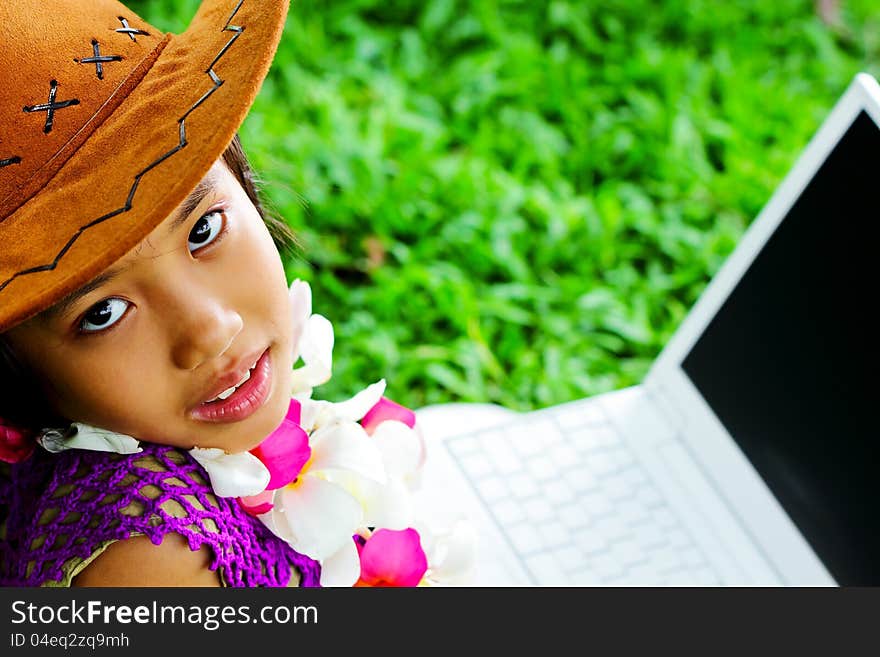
(789, 363)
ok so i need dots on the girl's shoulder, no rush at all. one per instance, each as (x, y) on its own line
(89, 500)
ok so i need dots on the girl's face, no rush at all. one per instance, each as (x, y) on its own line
(152, 346)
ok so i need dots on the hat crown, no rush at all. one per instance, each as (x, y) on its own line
(64, 66)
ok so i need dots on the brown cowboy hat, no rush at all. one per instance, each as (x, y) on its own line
(106, 124)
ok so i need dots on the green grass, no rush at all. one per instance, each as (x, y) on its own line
(518, 201)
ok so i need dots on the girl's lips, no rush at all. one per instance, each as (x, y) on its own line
(245, 401)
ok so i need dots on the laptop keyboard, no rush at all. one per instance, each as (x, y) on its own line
(575, 504)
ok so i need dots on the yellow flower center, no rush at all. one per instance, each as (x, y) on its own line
(296, 482)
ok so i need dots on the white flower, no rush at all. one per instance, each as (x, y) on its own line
(84, 436)
(300, 296)
(343, 567)
(450, 550)
(318, 413)
(320, 510)
(387, 503)
(232, 475)
(314, 342)
(402, 448)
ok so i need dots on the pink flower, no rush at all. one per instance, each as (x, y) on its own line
(285, 450)
(385, 409)
(392, 558)
(259, 503)
(284, 453)
(15, 445)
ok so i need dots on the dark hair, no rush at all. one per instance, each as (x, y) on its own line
(235, 158)
(22, 401)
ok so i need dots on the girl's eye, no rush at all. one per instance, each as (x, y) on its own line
(103, 314)
(205, 231)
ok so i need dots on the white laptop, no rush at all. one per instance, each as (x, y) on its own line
(750, 453)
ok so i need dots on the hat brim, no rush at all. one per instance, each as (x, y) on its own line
(144, 159)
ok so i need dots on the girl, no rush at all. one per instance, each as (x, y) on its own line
(147, 333)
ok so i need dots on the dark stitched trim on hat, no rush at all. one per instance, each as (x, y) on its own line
(128, 29)
(218, 82)
(50, 106)
(15, 159)
(98, 60)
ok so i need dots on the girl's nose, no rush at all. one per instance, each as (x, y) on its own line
(204, 331)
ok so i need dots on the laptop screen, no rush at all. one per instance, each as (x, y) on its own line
(790, 362)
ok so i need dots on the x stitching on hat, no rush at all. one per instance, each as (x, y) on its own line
(51, 106)
(129, 30)
(99, 60)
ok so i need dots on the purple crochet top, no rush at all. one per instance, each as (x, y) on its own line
(62, 507)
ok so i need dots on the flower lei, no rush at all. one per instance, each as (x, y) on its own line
(334, 480)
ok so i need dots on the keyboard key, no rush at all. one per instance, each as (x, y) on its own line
(570, 557)
(572, 516)
(650, 497)
(501, 455)
(493, 488)
(605, 436)
(508, 512)
(580, 478)
(632, 513)
(542, 468)
(554, 534)
(581, 440)
(618, 489)
(546, 570)
(705, 577)
(559, 492)
(634, 478)
(606, 566)
(525, 539)
(589, 541)
(522, 486)
(589, 439)
(664, 518)
(624, 459)
(595, 504)
(462, 446)
(627, 552)
(644, 574)
(563, 456)
(601, 463)
(692, 557)
(525, 444)
(679, 539)
(477, 465)
(650, 536)
(611, 527)
(538, 510)
(679, 577)
(586, 577)
(666, 561)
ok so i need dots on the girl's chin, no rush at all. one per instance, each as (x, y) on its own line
(250, 434)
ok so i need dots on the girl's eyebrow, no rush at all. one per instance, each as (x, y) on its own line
(63, 306)
(186, 208)
(191, 202)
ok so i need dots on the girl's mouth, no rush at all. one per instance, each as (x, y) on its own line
(243, 399)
